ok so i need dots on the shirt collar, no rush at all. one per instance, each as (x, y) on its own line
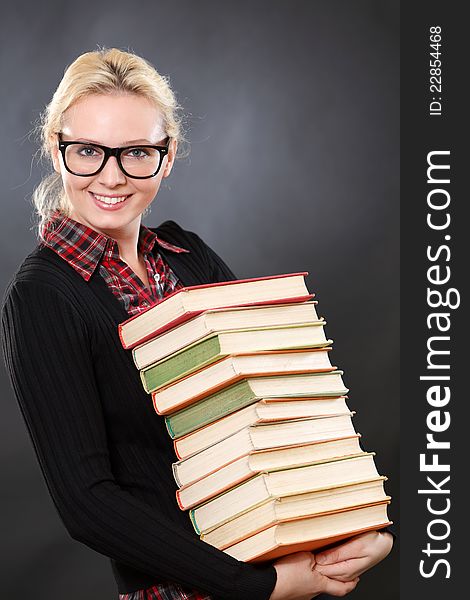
(83, 247)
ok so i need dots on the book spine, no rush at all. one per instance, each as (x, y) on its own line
(178, 500)
(175, 448)
(174, 468)
(192, 518)
(121, 337)
(144, 381)
(134, 358)
(169, 428)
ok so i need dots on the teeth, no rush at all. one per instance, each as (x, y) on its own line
(107, 200)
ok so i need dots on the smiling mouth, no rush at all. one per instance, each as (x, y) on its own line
(110, 199)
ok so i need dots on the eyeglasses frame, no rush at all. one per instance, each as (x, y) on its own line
(162, 150)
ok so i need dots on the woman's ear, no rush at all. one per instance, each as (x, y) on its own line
(55, 156)
(170, 158)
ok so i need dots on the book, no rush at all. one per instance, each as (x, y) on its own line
(249, 390)
(187, 302)
(221, 319)
(260, 437)
(298, 480)
(219, 345)
(309, 533)
(210, 379)
(263, 411)
(286, 508)
(268, 459)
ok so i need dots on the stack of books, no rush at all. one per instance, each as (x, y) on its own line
(267, 458)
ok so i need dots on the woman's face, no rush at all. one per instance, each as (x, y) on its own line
(112, 120)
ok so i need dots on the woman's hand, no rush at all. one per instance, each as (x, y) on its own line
(298, 579)
(347, 561)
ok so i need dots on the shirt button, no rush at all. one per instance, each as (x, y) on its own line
(144, 303)
(157, 277)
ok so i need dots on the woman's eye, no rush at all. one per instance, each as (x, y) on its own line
(137, 153)
(88, 151)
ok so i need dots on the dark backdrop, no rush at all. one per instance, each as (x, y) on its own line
(293, 110)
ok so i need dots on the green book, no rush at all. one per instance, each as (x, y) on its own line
(250, 390)
(182, 363)
(218, 345)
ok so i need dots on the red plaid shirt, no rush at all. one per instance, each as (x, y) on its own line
(86, 250)
(164, 591)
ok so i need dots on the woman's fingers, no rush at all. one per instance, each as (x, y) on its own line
(353, 548)
(345, 570)
(354, 557)
(339, 588)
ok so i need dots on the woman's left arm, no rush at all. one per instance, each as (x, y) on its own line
(350, 559)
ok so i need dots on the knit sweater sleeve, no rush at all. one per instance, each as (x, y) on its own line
(46, 348)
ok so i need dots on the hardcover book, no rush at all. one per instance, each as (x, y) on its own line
(309, 533)
(216, 346)
(221, 319)
(267, 410)
(187, 302)
(298, 480)
(249, 390)
(286, 508)
(260, 437)
(257, 461)
(230, 369)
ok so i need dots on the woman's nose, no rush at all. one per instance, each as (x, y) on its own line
(111, 174)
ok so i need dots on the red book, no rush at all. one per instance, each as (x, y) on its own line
(187, 302)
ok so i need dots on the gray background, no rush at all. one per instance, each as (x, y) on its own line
(293, 111)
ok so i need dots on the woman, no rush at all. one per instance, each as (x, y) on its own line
(112, 132)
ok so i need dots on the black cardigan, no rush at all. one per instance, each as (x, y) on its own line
(105, 454)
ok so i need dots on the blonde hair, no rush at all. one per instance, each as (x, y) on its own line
(104, 71)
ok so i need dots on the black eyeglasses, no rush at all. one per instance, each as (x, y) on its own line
(138, 162)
